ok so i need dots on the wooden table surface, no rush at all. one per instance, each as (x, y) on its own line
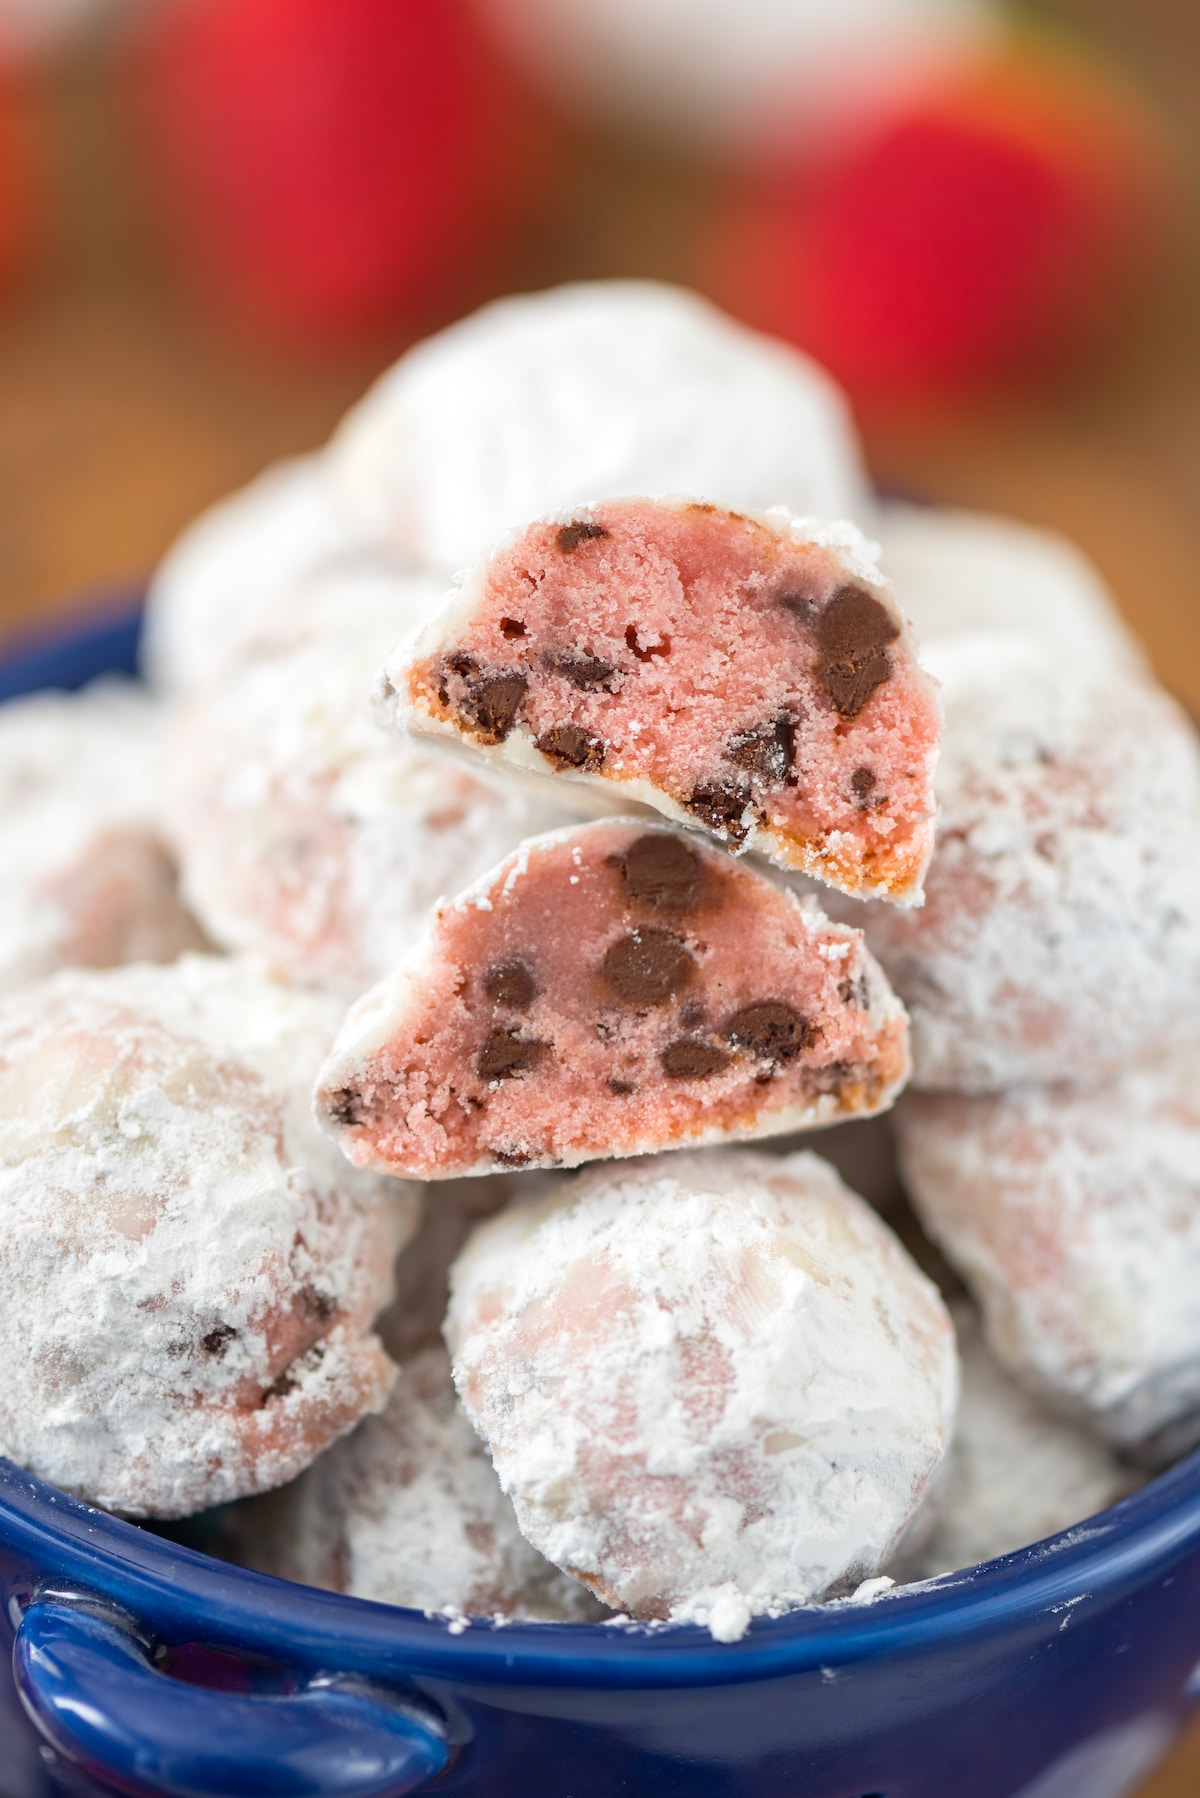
(122, 411)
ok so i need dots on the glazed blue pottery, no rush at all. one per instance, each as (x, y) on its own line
(141, 1666)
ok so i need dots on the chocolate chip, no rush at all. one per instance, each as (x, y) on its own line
(721, 805)
(218, 1340)
(582, 670)
(688, 1059)
(852, 633)
(661, 870)
(512, 627)
(347, 1107)
(767, 750)
(861, 783)
(771, 1028)
(570, 536)
(512, 1157)
(620, 1087)
(279, 1388)
(315, 1307)
(504, 1054)
(510, 983)
(647, 966)
(660, 648)
(570, 746)
(489, 701)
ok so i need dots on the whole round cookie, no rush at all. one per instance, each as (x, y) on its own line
(1074, 1216)
(957, 571)
(88, 879)
(581, 393)
(407, 1510)
(190, 1271)
(714, 1386)
(234, 561)
(1060, 935)
(307, 834)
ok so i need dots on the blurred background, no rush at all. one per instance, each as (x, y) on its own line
(220, 218)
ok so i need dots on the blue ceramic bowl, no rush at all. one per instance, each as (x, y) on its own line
(140, 1666)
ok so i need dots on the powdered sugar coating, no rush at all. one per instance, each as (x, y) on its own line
(189, 1271)
(608, 990)
(1060, 935)
(308, 835)
(1074, 1216)
(235, 560)
(957, 571)
(87, 878)
(749, 675)
(407, 1510)
(1016, 1474)
(714, 1386)
(584, 392)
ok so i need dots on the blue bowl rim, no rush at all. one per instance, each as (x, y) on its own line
(222, 1601)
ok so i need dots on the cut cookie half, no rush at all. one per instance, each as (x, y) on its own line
(748, 675)
(608, 990)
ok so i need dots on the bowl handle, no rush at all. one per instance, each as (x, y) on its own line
(87, 1682)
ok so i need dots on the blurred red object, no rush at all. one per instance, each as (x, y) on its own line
(17, 197)
(333, 167)
(1001, 224)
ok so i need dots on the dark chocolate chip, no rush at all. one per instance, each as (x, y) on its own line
(647, 966)
(512, 627)
(852, 632)
(768, 750)
(510, 983)
(771, 1028)
(721, 805)
(489, 701)
(279, 1388)
(570, 536)
(861, 783)
(620, 1087)
(688, 1059)
(570, 746)
(512, 1157)
(662, 870)
(315, 1307)
(347, 1107)
(218, 1340)
(582, 670)
(661, 648)
(504, 1054)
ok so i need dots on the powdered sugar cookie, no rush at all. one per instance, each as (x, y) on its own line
(233, 561)
(1060, 935)
(714, 1386)
(308, 835)
(608, 990)
(1074, 1216)
(189, 1270)
(749, 676)
(957, 571)
(581, 393)
(88, 879)
(1016, 1474)
(408, 1510)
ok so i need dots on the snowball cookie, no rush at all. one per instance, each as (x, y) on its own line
(1017, 1473)
(1074, 1216)
(88, 879)
(747, 675)
(309, 836)
(188, 1272)
(607, 990)
(582, 393)
(714, 1386)
(207, 593)
(738, 78)
(966, 571)
(1060, 935)
(408, 1510)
